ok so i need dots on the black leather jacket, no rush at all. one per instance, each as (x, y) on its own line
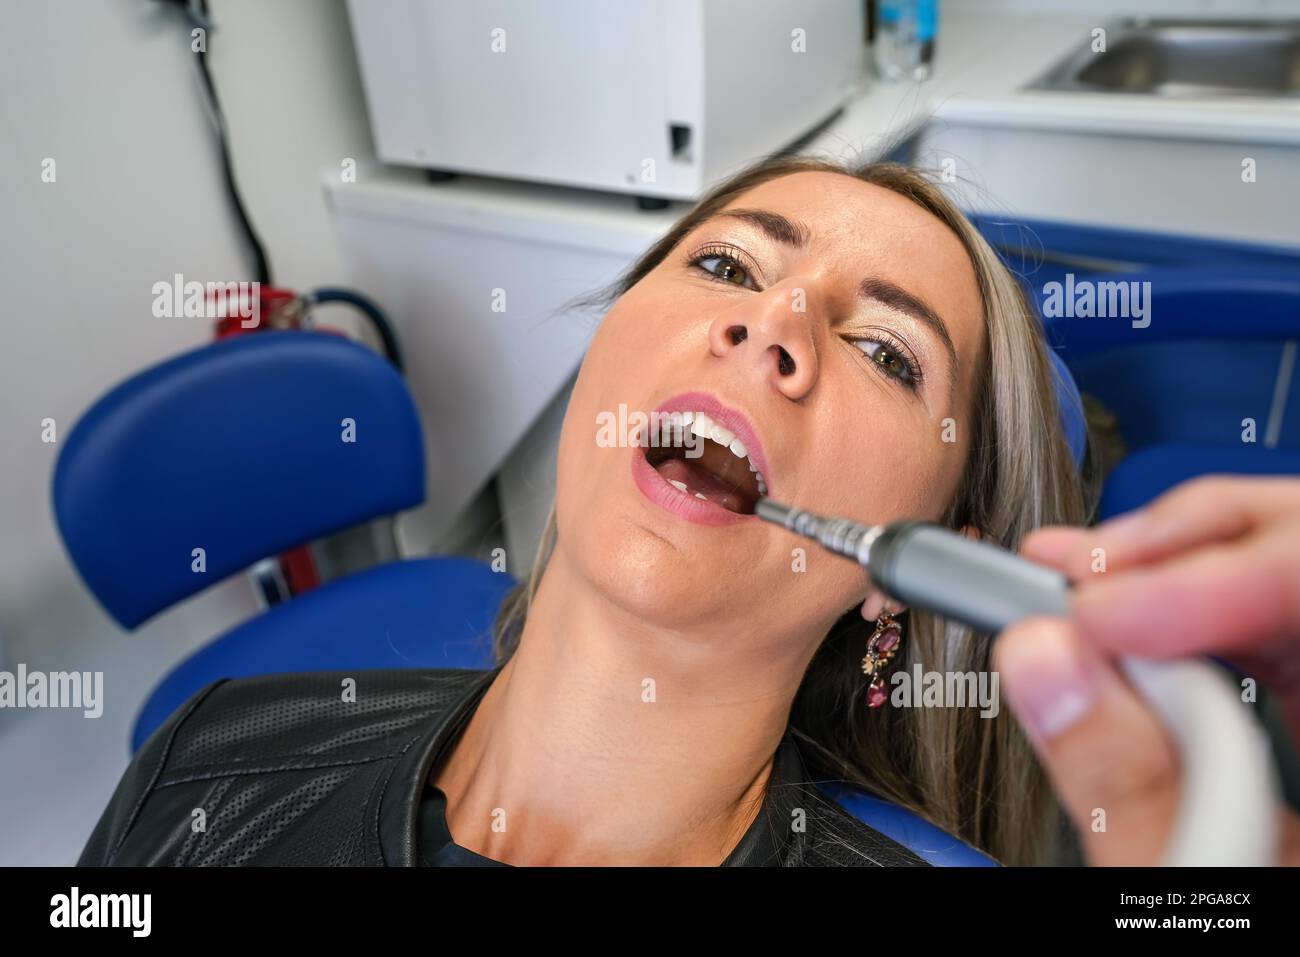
(291, 770)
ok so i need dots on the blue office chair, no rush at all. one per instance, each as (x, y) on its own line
(196, 468)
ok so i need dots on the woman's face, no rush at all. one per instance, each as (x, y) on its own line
(850, 349)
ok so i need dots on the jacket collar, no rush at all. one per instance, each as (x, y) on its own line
(765, 844)
(768, 840)
(399, 805)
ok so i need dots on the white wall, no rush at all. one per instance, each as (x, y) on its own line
(109, 91)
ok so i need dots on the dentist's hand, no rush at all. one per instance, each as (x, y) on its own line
(1211, 567)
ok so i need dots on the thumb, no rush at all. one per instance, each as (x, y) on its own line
(1107, 755)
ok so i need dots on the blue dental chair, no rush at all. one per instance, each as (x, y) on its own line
(1205, 387)
(1220, 348)
(237, 449)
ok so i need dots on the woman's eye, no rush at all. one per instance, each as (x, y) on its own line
(731, 271)
(890, 360)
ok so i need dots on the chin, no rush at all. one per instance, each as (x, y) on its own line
(642, 572)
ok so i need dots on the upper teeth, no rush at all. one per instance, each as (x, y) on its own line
(705, 427)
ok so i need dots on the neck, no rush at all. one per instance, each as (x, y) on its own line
(606, 741)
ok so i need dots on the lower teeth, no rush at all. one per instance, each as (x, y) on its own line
(678, 485)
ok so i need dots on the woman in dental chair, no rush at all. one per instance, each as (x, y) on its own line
(677, 683)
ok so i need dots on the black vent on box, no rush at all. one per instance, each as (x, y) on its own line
(680, 137)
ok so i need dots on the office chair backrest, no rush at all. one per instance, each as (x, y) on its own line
(240, 449)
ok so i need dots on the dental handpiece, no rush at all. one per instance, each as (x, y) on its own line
(1227, 811)
(928, 566)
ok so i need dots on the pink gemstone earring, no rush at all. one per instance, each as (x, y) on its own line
(881, 648)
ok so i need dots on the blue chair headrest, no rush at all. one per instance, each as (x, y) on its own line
(1071, 407)
(237, 448)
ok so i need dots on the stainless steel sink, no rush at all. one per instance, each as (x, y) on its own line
(1185, 58)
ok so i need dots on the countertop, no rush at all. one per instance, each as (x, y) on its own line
(981, 64)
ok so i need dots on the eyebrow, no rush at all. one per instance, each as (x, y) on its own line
(779, 229)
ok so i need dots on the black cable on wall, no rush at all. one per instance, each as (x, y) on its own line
(196, 12)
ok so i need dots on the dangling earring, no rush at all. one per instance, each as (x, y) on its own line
(881, 648)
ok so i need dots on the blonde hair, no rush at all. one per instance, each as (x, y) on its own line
(974, 777)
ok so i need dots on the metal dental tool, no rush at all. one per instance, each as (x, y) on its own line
(1227, 814)
(930, 567)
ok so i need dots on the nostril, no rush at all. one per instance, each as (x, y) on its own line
(737, 334)
(786, 362)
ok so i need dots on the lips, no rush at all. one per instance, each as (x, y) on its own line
(717, 487)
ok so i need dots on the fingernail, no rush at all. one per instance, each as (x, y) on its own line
(1049, 687)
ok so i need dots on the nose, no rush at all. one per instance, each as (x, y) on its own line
(774, 335)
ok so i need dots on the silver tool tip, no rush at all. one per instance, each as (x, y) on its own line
(770, 510)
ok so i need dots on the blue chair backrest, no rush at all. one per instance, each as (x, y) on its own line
(1188, 302)
(1070, 404)
(237, 448)
(1210, 354)
(1214, 349)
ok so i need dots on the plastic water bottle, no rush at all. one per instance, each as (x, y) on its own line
(905, 38)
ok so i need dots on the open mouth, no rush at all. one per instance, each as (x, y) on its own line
(700, 457)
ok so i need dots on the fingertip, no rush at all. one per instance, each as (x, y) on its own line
(1052, 544)
(1047, 678)
(1019, 644)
